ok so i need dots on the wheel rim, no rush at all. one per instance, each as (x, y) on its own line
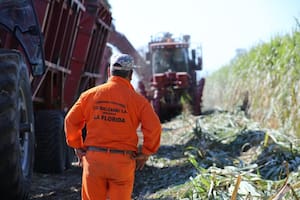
(25, 131)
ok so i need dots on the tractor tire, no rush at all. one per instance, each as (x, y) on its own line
(70, 153)
(156, 103)
(198, 95)
(51, 153)
(16, 127)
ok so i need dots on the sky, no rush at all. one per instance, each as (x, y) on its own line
(219, 26)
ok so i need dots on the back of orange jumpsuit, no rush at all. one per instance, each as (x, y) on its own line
(112, 112)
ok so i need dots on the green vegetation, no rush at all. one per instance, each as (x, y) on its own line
(265, 82)
(228, 157)
(241, 160)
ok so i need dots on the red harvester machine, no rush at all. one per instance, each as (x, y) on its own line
(173, 79)
(50, 51)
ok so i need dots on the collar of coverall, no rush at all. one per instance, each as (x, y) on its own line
(121, 80)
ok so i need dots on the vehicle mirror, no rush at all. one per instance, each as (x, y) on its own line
(193, 55)
(199, 64)
(148, 56)
(193, 60)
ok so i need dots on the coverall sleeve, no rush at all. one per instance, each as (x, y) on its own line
(151, 129)
(74, 123)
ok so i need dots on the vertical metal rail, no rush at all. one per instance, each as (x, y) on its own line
(89, 50)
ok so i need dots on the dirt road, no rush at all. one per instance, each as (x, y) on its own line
(65, 186)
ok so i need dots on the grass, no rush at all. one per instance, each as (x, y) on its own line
(235, 159)
(269, 76)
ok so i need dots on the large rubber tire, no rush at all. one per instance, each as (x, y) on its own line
(16, 127)
(156, 106)
(197, 101)
(51, 153)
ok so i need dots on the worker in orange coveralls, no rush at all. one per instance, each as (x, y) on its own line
(112, 113)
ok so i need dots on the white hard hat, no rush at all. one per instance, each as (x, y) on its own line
(122, 62)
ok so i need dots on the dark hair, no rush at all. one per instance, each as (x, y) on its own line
(121, 73)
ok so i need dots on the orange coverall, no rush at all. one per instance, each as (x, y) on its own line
(112, 112)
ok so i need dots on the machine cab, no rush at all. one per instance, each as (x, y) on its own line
(169, 59)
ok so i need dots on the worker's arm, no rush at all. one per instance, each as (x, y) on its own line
(151, 129)
(74, 123)
(80, 153)
(141, 160)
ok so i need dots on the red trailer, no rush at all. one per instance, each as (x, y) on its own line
(50, 51)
